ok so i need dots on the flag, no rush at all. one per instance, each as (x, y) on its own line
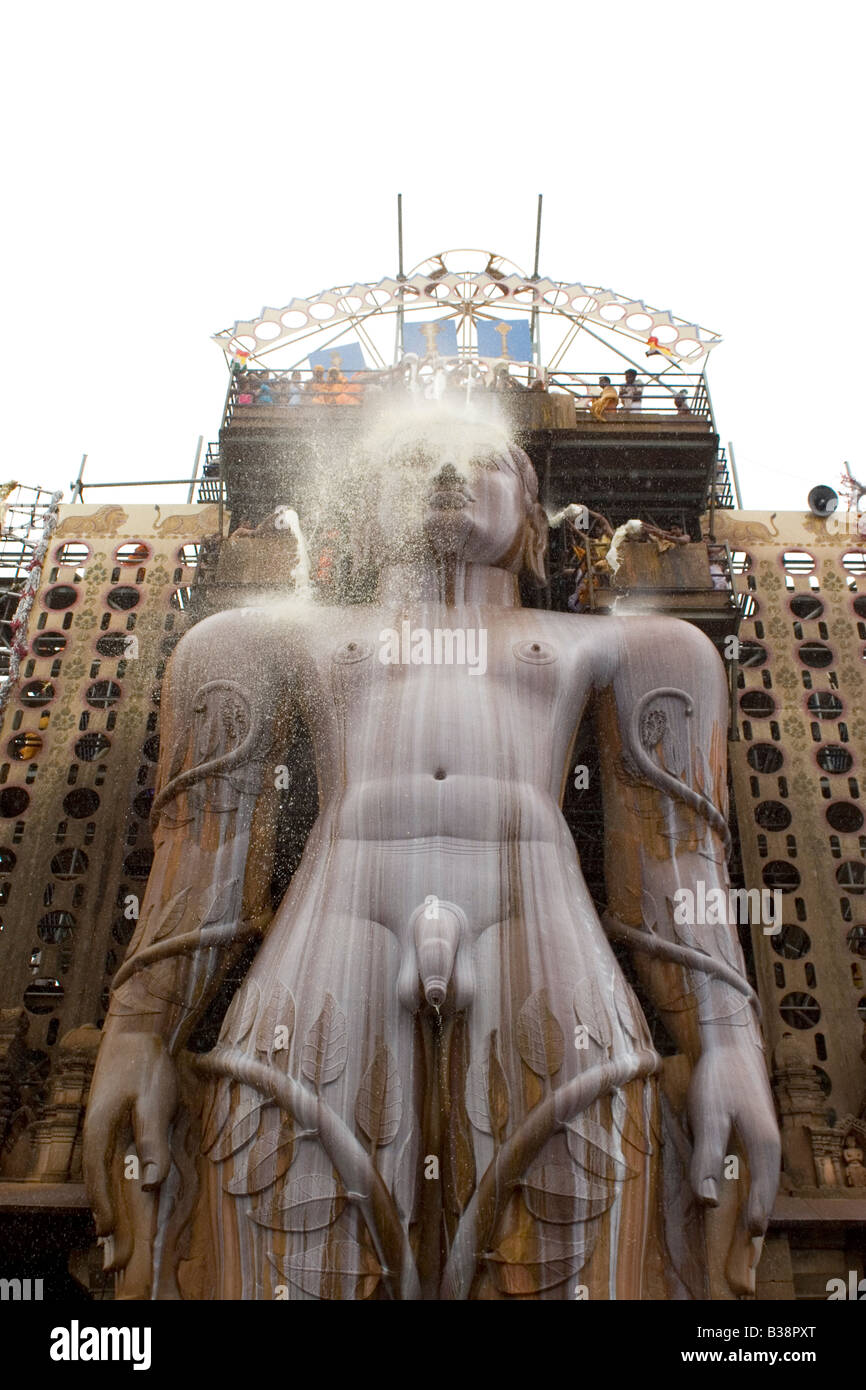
(348, 357)
(509, 338)
(434, 335)
(655, 348)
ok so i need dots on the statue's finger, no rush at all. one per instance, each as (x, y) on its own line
(100, 1134)
(152, 1117)
(711, 1129)
(764, 1153)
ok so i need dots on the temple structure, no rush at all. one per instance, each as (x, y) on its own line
(97, 597)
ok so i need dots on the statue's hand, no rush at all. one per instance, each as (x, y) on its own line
(729, 1088)
(132, 1103)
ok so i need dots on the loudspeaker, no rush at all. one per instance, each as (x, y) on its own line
(822, 500)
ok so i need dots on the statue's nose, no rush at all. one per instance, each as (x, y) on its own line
(448, 476)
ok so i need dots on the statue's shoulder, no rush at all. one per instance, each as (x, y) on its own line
(248, 644)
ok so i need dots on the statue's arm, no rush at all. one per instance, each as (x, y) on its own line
(225, 700)
(662, 732)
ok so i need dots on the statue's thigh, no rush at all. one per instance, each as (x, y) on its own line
(584, 1221)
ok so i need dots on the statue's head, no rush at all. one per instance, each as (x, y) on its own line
(457, 486)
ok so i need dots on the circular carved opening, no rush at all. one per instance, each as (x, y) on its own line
(69, 863)
(61, 596)
(112, 645)
(806, 607)
(123, 598)
(72, 553)
(81, 803)
(800, 1010)
(765, 757)
(137, 864)
(13, 802)
(752, 654)
(48, 644)
(824, 704)
(90, 746)
(132, 553)
(43, 996)
(102, 694)
(845, 817)
(54, 927)
(36, 693)
(142, 803)
(757, 704)
(772, 815)
(816, 655)
(852, 875)
(834, 758)
(792, 942)
(23, 747)
(8, 860)
(782, 875)
(857, 939)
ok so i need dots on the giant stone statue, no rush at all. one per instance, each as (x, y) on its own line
(434, 1081)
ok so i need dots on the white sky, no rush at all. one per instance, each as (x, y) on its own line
(171, 168)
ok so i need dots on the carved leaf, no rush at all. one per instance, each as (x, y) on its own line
(326, 1047)
(269, 1158)
(590, 1011)
(162, 981)
(222, 903)
(623, 1013)
(476, 1097)
(632, 1125)
(487, 1101)
(308, 1203)
(539, 1036)
(280, 1013)
(216, 1115)
(242, 1013)
(128, 1001)
(526, 1266)
(379, 1105)
(243, 1123)
(326, 1269)
(556, 1192)
(172, 915)
(596, 1151)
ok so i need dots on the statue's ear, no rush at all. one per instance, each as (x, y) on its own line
(535, 543)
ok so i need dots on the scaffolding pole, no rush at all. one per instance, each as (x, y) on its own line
(398, 344)
(536, 345)
(198, 449)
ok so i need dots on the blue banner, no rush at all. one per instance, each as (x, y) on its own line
(348, 357)
(511, 339)
(434, 335)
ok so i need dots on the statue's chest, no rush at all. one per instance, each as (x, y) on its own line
(436, 673)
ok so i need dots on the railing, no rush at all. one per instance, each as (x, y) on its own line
(678, 397)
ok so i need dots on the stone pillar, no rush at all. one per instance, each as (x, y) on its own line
(57, 1136)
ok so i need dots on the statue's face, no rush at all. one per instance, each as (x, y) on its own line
(459, 489)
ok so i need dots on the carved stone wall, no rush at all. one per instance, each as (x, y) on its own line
(799, 772)
(78, 755)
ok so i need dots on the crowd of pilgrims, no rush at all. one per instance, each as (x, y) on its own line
(331, 386)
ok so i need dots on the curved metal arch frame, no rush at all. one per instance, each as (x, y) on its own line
(469, 293)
